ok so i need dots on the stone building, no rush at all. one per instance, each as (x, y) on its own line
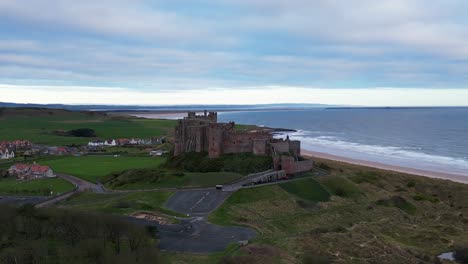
(203, 133)
(30, 171)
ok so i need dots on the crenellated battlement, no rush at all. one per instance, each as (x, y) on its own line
(203, 133)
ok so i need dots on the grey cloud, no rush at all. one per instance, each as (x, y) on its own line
(111, 17)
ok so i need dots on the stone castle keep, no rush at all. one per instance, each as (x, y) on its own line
(203, 133)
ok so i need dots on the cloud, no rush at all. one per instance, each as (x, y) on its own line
(109, 17)
(168, 45)
(243, 95)
(435, 28)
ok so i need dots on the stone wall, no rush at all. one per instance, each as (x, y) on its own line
(286, 146)
(202, 133)
(291, 166)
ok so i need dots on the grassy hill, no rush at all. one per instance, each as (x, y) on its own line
(40, 125)
(355, 215)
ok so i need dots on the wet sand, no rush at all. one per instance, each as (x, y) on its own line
(431, 174)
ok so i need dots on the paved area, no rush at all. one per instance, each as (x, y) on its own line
(195, 234)
(196, 202)
(82, 184)
(21, 200)
(199, 236)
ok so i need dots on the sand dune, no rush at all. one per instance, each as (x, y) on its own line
(431, 174)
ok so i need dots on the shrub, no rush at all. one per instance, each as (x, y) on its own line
(324, 166)
(314, 258)
(82, 132)
(365, 176)
(243, 163)
(398, 202)
(342, 187)
(411, 184)
(425, 197)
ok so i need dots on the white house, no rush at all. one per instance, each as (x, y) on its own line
(110, 143)
(5, 154)
(96, 143)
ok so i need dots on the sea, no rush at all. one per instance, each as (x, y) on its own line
(432, 139)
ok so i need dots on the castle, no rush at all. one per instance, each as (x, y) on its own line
(203, 133)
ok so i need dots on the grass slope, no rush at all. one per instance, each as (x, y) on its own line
(373, 216)
(91, 168)
(307, 189)
(38, 125)
(144, 179)
(49, 186)
(121, 203)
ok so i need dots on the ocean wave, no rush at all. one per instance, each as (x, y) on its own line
(407, 155)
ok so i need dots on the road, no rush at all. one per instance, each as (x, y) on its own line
(196, 234)
(80, 186)
(196, 202)
(20, 200)
(193, 234)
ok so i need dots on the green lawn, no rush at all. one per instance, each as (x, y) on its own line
(307, 189)
(38, 126)
(189, 179)
(341, 186)
(48, 186)
(121, 203)
(91, 168)
(225, 215)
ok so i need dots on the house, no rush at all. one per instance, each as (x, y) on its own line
(30, 171)
(6, 154)
(16, 144)
(39, 171)
(110, 143)
(19, 169)
(123, 141)
(96, 143)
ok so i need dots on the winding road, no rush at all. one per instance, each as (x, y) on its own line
(193, 234)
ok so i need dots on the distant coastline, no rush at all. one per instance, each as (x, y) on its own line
(306, 152)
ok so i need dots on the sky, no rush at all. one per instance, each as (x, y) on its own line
(350, 52)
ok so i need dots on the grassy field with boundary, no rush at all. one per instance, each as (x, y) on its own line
(39, 125)
(121, 203)
(40, 187)
(91, 168)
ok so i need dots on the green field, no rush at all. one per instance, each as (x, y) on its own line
(171, 180)
(48, 186)
(91, 168)
(121, 203)
(307, 189)
(38, 126)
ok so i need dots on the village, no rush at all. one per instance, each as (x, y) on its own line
(17, 151)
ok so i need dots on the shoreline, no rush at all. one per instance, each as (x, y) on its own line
(378, 165)
(175, 114)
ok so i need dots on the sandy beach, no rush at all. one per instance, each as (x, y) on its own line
(431, 174)
(427, 173)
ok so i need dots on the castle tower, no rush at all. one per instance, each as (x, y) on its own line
(215, 140)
